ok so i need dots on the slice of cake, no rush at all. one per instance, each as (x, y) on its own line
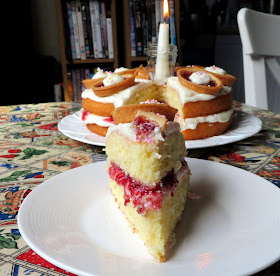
(149, 177)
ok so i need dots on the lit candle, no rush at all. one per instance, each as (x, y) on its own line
(162, 64)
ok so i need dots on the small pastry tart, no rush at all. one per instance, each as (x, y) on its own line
(100, 90)
(227, 79)
(206, 83)
(126, 113)
(142, 73)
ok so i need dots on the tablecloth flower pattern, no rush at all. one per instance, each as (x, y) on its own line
(32, 150)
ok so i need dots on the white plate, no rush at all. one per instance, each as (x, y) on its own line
(72, 221)
(244, 125)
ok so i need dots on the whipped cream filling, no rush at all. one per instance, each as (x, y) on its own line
(121, 69)
(100, 74)
(118, 99)
(128, 131)
(192, 123)
(112, 79)
(187, 95)
(89, 118)
(216, 70)
(200, 78)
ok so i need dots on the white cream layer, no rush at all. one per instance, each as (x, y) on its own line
(192, 123)
(118, 99)
(95, 119)
(128, 131)
(187, 95)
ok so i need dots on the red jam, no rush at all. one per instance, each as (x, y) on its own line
(142, 196)
(84, 115)
(100, 84)
(143, 127)
(186, 75)
(109, 120)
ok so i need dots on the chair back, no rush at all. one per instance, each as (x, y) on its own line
(260, 37)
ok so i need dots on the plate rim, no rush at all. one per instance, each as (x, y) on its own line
(190, 144)
(41, 253)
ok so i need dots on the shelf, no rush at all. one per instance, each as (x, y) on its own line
(91, 60)
(138, 58)
(66, 64)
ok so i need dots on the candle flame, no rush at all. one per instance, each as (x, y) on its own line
(165, 9)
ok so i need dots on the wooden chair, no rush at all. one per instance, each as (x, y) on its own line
(260, 37)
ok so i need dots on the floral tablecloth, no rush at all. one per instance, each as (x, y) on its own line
(33, 150)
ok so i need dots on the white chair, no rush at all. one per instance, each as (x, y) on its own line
(260, 37)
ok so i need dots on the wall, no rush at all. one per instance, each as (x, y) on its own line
(45, 30)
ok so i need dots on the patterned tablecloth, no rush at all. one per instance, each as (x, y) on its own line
(33, 150)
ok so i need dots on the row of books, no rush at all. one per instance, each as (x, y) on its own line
(75, 78)
(145, 17)
(89, 32)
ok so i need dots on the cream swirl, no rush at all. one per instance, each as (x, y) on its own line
(200, 78)
(100, 74)
(121, 69)
(112, 79)
(216, 70)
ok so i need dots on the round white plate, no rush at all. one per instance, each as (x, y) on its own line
(244, 125)
(72, 221)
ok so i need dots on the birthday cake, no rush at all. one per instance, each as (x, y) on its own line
(202, 97)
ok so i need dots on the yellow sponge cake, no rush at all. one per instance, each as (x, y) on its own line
(149, 177)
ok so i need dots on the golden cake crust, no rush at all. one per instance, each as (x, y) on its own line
(126, 113)
(204, 108)
(102, 131)
(98, 108)
(206, 130)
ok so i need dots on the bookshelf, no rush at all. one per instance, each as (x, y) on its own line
(133, 61)
(68, 63)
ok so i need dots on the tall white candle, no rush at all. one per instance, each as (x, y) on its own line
(162, 62)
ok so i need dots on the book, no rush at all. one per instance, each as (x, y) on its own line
(149, 22)
(71, 30)
(110, 37)
(138, 28)
(94, 29)
(87, 73)
(104, 23)
(74, 84)
(87, 29)
(157, 16)
(80, 29)
(76, 30)
(132, 28)
(172, 22)
(144, 27)
(70, 85)
(154, 24)
(102, 31)
(98, 29)
(83, 77)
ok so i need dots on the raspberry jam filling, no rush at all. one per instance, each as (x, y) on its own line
(143, 127)
(84, 115)
(186, 75)
(100, 84)
(109, 120)
(142, 196)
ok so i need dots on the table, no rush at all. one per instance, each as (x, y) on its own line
(33, 150)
